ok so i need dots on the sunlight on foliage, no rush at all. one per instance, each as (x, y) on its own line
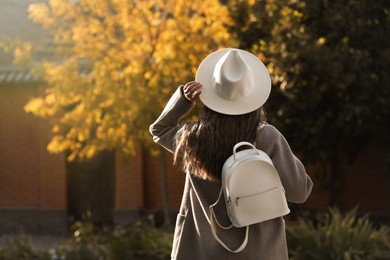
(22, 54)
(116, 64)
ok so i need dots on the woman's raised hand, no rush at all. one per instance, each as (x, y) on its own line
(192, 90)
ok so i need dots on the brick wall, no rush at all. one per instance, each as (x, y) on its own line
(175, 182)
(129, 191)
(138, 185)
(30, 178)
(366, 187)
(33, 190)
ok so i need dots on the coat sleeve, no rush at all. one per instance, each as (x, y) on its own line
(295, 180)
(165, 127)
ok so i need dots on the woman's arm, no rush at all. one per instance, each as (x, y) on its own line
(166, 125)
(296, 182)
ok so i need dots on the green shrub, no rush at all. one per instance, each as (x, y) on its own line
(87, 242)
(143, 242)
(332, 236)
(338, 237)
(21, 248)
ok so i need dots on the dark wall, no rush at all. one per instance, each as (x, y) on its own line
(91, 187)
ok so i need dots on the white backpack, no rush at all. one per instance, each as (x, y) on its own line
(252, 190)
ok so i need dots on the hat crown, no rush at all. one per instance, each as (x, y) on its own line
(232, 78)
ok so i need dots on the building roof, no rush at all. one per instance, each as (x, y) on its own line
(17, 75)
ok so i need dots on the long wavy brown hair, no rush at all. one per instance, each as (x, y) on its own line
(205, 144)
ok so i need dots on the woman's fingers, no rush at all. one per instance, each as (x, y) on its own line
(191, 90)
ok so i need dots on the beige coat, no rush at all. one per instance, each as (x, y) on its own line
(193, 238)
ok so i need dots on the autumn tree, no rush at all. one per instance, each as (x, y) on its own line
(116, 63)
(114, 66)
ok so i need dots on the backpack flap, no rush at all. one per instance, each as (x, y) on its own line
(252, 188)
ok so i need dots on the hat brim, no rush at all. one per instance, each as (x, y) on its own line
(258, 96)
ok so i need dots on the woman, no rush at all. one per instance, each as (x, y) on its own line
(233, 85)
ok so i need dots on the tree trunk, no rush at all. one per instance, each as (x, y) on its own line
(164, 187)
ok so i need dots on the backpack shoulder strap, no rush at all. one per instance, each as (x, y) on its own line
(214, 223)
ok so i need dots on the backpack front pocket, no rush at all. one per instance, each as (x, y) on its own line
(253, 195)
(260, 206)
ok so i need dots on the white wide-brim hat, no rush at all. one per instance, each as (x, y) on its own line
(234, 81)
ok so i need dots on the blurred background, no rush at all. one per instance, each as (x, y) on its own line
(82, 80)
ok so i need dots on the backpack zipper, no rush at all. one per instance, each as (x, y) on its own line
(251, 195)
